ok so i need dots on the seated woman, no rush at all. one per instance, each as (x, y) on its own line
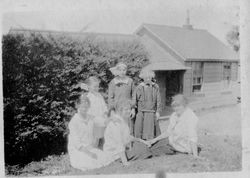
(181, 135)
(117, 134)
(81, 140)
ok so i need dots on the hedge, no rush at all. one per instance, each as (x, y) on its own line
(40, 75)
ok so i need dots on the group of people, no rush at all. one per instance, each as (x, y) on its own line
(127, 127)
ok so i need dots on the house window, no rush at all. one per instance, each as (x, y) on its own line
(197, 75)
(226, 74)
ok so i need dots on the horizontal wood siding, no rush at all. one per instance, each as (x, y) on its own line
(215, 100)
(234, 71)
(187, 81)
(212, 72)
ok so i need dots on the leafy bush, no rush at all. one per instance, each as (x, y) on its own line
(40, 75)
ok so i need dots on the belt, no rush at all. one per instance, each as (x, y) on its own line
(146, 110)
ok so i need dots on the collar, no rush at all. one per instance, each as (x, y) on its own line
(179, 118)
(148, 84)
(86, 120)
(117, 118)
(93, 94)
(118, 81)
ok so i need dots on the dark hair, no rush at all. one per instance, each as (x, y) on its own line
(110, 110)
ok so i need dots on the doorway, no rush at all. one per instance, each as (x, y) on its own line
(173, 85)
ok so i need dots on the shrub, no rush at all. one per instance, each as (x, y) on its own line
(40, 75)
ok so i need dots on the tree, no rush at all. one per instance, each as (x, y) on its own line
(40, 75)
(233, 38)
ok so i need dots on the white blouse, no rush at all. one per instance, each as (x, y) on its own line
(183, 130)
(81, 132)
(81, 135)
(117, 136)
(97, 108)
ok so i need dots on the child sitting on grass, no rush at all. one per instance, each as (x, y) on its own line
(81, 149)
(117, 134)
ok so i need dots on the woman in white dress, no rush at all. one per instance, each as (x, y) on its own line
(81, 149)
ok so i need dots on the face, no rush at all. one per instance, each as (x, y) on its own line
(83, 108)
(94, 86)
(179, 109)
(125, 112)
(147, 79)
(121, 71)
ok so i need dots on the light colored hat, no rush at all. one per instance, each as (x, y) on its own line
(146, 72)
(84, 86)
(115, 70)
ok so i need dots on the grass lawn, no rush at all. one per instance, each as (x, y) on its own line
(219, 134)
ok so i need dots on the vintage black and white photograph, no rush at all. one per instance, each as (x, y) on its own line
(94, 87)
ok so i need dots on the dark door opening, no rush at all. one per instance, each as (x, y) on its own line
(173, 85)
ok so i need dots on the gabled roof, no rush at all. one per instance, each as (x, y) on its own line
(191, 44)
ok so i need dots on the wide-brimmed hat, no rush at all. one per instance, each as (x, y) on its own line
(114, 70)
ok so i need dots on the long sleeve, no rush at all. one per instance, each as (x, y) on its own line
(111, 94)
(171, 124)
(132, 94)
(158, 99)
(136, 96)
(192, 128)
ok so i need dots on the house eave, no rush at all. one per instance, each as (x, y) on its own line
(211, 60)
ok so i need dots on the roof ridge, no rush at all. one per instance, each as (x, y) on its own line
(169, 26)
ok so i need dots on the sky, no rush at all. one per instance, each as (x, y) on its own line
(119, 16)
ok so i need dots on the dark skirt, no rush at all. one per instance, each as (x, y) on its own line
(142, 151)
(146, 126)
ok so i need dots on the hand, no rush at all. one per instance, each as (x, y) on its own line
(126, 163)
(93, 155)
(148, 143)
(157, 115)
(132, 113)
(152, 141)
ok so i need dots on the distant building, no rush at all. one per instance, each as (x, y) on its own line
(186, 60)
(193, 62)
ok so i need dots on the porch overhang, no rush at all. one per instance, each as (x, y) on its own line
(166, 66)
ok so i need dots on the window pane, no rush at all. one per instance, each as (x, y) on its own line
(196, 88)
(197, 75)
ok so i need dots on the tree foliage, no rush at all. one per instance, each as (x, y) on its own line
(233, 38)
(40, 75)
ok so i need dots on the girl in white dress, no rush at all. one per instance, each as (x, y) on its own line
(98, 109)
(117, 134)
(81, 149)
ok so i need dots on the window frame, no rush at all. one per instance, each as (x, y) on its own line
(226, 74)
(196, 77)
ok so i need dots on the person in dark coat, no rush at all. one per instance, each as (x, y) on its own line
(147, 102)
(121, 89)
